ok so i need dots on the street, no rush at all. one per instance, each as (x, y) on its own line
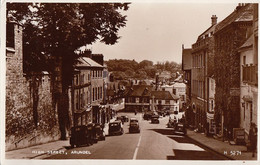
(155, 142)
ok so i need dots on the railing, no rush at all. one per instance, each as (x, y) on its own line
(250, 74)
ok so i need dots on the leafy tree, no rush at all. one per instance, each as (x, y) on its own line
(55, 30)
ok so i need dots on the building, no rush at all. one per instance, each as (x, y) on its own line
(201, 72)
(230, 35)
(164, 77)
(164, 100)
(81, 93)
(179, 89)
(137, 97)
(31, 113)
(249, 78)
(186, 67)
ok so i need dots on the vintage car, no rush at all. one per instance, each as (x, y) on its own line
(82, 135)
(155, 119)
(124, 118)
(162, 113)
(115, 128)
(180, 128)
(100, 133)
(134, 126)
(148, 115)
(119, 118)
(171, 123)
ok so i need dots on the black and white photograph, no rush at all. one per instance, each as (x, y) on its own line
(152, 81)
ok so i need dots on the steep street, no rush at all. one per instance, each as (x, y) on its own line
(155, 142)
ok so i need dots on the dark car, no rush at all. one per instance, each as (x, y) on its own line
(180, 128)
(81, 135)
(134, 126)
(115, 128)
(147, 115)
(124, 118)
(119, 118)
(171, 123)
(155, 119)
(100, 133)
(161, 113)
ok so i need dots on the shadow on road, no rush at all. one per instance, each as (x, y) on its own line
(163, 131)
(180, 139)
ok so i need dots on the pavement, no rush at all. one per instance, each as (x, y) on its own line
(43, 150)
(233, 152)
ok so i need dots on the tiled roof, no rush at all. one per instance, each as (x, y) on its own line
(110, 92)
(245, 13)
(139, 90)
(87, 62)
(248, 43)
(164, 95)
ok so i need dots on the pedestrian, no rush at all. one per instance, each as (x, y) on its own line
(253, 138)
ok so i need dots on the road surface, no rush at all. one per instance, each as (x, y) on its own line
(154, 142)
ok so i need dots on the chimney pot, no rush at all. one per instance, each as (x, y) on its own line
(214, 20)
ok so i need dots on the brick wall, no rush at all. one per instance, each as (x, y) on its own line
(26, 126)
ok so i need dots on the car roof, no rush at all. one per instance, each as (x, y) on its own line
(133, 118)
(155, 116)
(117, 121)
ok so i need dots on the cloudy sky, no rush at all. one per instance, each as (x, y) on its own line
(156, 31)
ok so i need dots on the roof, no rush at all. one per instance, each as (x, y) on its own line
(179, 85)
(249, 42)
(241, 14)
(110, 92)
(164, 95)
(87, 62)
(139, 90)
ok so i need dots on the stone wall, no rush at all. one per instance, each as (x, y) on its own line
(30, 115)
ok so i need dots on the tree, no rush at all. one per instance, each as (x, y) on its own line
(55, 30)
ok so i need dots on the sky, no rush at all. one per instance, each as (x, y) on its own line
(156, 31)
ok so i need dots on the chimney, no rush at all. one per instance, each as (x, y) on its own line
(214, 20)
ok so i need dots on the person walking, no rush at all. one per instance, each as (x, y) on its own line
(253, 138)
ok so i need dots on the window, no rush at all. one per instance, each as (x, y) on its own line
(174, 91)
(93, 94)
(251, 112)
(10, 35)
(244, 60)
(167, 101)
(101, 92)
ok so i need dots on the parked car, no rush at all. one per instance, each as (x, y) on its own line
(148, 115)
(171, 123)
(162, 113)
(119, 118)
(180, 128)
(124, 118)
(134, 126)
(82, 135)
(100, 133)
(155, 119)
(115, 128)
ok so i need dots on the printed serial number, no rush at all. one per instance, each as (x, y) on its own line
(233, 153)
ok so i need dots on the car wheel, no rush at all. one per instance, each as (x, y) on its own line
(72, 145)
